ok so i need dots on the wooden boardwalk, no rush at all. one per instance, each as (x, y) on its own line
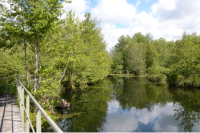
(9, 115)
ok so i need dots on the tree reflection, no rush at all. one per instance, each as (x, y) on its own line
(89, 109)
(187, 108)
(137, 93)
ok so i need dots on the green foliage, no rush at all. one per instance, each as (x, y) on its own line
(69, 51)
(185, 56)
(11, 89)
(117, 66)
(78, 52)
(12, 62)
(141, 54)
(45, 125)
(193, 80)
(157, 69)
(130, 53)
(136, 58)
(172, 79)
(157, 78)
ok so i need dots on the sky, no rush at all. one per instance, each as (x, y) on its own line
(161, 18)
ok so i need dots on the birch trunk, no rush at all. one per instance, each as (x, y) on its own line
(36, 64)
(27, 78)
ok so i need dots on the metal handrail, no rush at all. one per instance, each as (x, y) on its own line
(21, 88)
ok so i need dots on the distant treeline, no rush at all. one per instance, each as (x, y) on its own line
(179, 60)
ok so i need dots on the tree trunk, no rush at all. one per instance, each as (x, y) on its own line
(127, 71)
(27, 79)
(36, 64)
(65, 69)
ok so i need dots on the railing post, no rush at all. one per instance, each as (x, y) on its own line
(17, 85)
(20, 98)
(22, 106)
(6, 85)
(39, 111)
(27, 112)
(38, 121)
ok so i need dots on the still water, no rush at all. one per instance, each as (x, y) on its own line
(131, 105)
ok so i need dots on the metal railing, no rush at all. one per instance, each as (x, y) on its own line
(40, 110)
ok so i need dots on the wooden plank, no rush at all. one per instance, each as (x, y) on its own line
(9, 115)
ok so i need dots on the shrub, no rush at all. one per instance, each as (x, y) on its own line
(157, 78)
(180, 81)
(172, 79)
(193, 80)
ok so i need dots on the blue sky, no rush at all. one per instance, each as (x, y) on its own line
(162, 18)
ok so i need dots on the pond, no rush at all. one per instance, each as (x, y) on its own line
(120, 104)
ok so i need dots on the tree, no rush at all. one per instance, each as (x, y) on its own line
(122, 48)
(185, 56)
(12, 22)
(38, 17)
(78, 51)
(117, 66)
(136, 56)
(131, 52)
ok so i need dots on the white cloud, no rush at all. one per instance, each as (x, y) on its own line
(166, 5)
(79, 6)
(114, 11)
(113, 106)
(82, 17)
(164, 128)
(144, 116)
(111, 34)
(120, 123)
(162, 118)
(167, 18)
(176, 9)
(176, 16)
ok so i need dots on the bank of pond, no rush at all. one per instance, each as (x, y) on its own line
(130, 104)
(175, 80)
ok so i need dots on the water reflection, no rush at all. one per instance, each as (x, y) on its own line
(158, 119)
(88, 109)
(187, 105)
(120, 104)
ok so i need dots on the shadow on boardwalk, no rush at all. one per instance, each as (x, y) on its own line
(9, 114)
